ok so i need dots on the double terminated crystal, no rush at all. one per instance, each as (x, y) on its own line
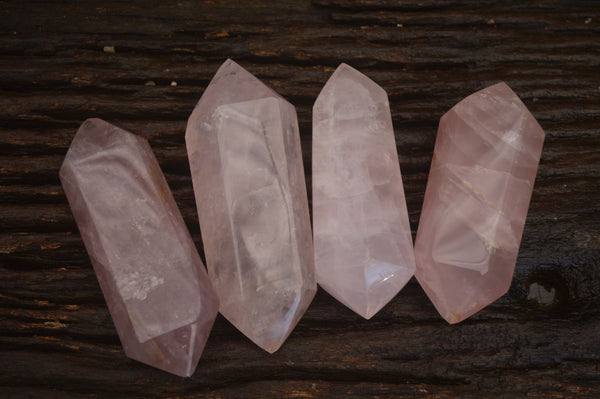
(363, 244)
(148, 268)
(481, 179)
(244, 151)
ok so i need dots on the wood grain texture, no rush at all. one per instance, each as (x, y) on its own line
(542, 339)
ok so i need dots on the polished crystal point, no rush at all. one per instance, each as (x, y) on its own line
(153, 280)
(363, 244)
(484, 164)
(244, 151)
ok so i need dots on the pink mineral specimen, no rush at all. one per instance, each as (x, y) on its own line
(246, 163)
(484, 164)
(149, 270)
(363, 244)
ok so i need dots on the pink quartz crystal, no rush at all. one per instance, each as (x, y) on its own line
(153, 280)
(363, 245)
(244, 151)
(486, 156)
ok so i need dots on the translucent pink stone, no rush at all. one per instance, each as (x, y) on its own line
(244, 151)
(484, 164)
(363, 245)
(153, 280)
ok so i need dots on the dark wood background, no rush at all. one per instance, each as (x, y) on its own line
(57, 68)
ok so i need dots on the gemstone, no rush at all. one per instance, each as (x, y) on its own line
(484, 164)
(363, 244)
(246, 162)
(155, 285)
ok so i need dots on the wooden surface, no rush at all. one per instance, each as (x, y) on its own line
(542, 339)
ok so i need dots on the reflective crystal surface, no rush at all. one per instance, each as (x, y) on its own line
(246, 163)
(150, 273)
(484, 164)
(363, 245)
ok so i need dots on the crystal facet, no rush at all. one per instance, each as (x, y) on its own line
(244, 151)
(484, 164)
(363, 244)
(149, 270)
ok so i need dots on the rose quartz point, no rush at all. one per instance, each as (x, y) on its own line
(484, 164)
(244, 151)
(150, 273)
(363, 245)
